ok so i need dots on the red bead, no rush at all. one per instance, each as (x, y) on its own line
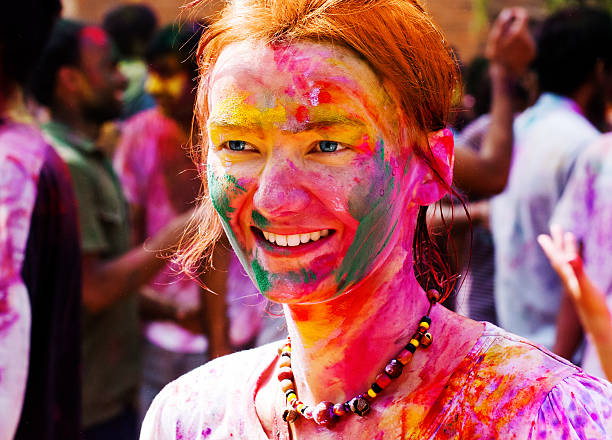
(339, 409)
(404, 356)
(433, 296)
(285, 373)
(323, 414)
(383, 380)
(394, 369)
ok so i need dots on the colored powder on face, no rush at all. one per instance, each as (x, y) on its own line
(235, 110)
(262, 277)
(301, 114)
(324, 97)
(219, 198)
(234, 185)
(373, 233)
(306, 276)
(220, 194)
(259, 220)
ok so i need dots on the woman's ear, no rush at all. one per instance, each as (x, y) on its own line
(438, 175)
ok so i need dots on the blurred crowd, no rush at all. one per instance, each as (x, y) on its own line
(97, 186)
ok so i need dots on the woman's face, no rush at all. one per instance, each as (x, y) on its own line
(306, 170)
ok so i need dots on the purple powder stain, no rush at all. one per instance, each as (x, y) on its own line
(206, 432)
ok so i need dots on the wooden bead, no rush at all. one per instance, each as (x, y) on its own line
(394, 369)
(286, 384)
(433, 296)
(285, 373)
(323, 414)
(290, 414)
(308, 412)
(426, 340)
(359, 406)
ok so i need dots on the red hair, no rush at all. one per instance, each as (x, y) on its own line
(396, 37)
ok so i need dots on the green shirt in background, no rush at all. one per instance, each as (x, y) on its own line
(111, 338)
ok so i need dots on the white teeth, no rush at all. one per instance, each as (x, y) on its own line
(294, 239)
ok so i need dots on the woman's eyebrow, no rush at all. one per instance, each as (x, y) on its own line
(242, 124)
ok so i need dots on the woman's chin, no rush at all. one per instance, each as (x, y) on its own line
(305, 292)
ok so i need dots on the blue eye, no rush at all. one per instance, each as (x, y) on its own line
(328, 146)
(236, 145)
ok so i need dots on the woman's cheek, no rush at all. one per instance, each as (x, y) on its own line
(372, 205)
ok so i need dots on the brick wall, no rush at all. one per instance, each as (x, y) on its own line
(455, 17)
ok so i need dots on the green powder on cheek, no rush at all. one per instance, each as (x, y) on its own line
(259, 220)
(220, 192)
(374, 211)
(261, 277)
(233, 184)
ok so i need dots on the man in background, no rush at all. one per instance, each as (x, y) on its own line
(78, 80)
(131, 28)
(183, 325)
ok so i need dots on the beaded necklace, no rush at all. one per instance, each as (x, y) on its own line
(327, 413)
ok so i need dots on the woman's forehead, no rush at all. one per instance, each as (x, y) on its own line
(301, 74)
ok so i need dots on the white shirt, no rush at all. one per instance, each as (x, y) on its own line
(548, 138)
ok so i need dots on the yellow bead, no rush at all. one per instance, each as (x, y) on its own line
(371, 393)
(425, 325)
(414, 342)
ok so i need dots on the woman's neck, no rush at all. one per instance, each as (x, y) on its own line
(338, 347)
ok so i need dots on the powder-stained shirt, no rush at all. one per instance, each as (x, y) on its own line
(159, 178)
(548, 139)
(111, 337)
(40, 257)
(506, 387)
(586, 210)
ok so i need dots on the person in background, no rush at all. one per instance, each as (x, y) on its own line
(183, 325)
(483, 152)
(573, 47)
(77, 78)
(131, 28)
(40, 276)
(592, 305)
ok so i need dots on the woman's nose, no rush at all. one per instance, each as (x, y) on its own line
(280, 193)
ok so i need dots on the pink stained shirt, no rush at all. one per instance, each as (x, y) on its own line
(22, 154)
(158, 177)
(506, 387)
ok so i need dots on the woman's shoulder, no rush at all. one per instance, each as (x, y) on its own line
(212, 398)
(500, 388)
(579, 407)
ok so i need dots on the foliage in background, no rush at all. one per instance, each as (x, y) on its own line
(481, 8)
(556, 4)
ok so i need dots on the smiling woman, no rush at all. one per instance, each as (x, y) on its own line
(323, 143)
